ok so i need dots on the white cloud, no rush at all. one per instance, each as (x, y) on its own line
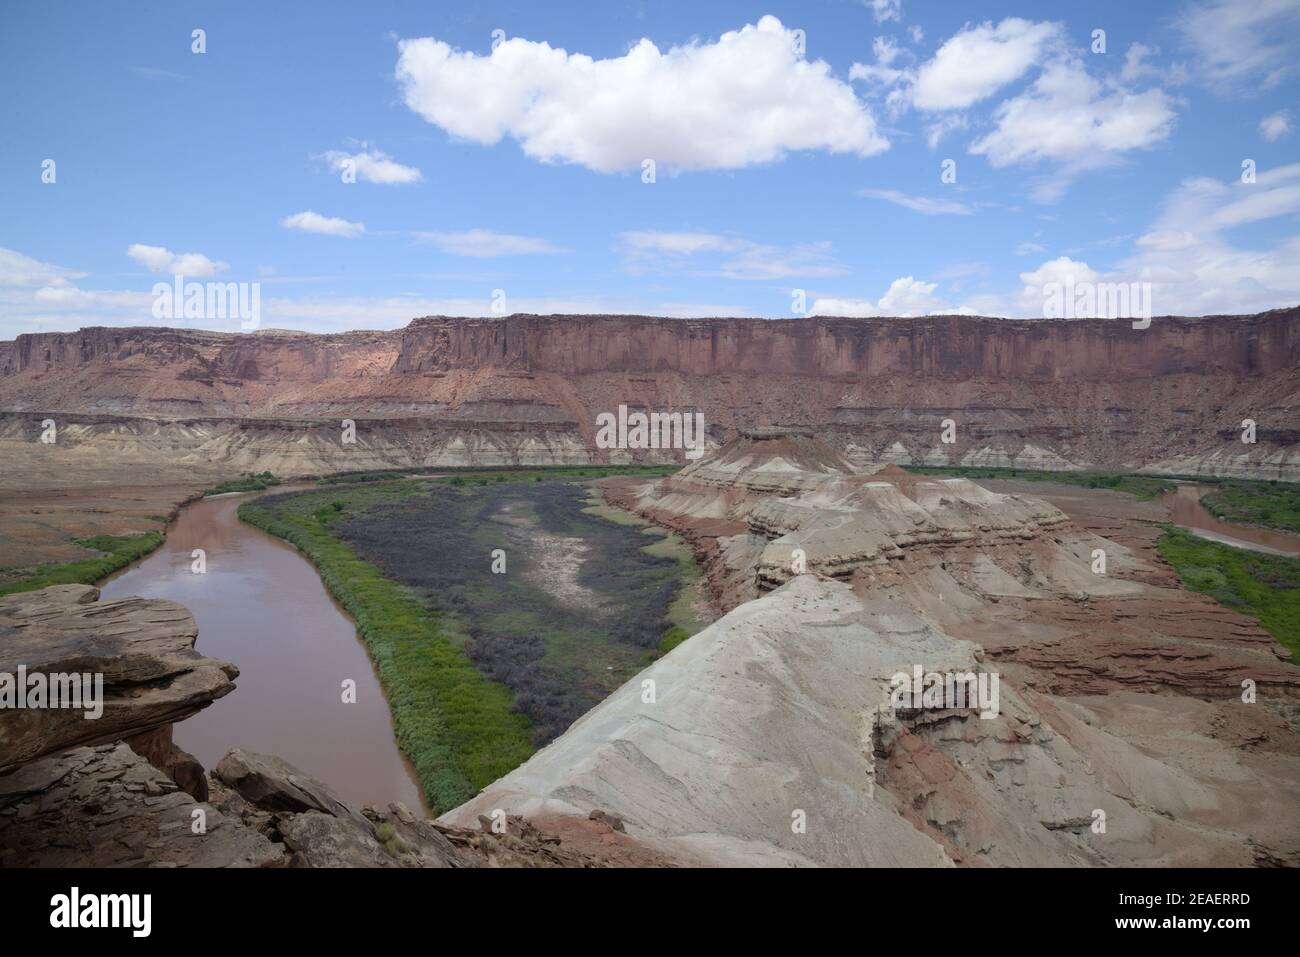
(882, 73)
(1065, 115)
(19, 270)
(725, 257)
(980, 60)
(1134, 68)
(1062, 270)
(372, 166)
(1275, 126)
(846, 308)
(745, 99)
(936, 131)
(1197, 268)
(920, 204)
(906, 296)
(677, 244)
(486, 244)
(1029, 249)
(161, 259)
(310, 222)
(910, 297)
(1186, 255)
(1242, 45)
(1069, 117)
(884, 10)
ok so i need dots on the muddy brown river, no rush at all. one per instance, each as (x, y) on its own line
(1186, 511)
(263, 607)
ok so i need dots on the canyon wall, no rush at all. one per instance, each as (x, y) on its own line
(527, 389)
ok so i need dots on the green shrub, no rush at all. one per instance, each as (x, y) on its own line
(248, 482)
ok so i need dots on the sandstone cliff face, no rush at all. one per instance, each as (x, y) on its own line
(528, 389)
(948, 346)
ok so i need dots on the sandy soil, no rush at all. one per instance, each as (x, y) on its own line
(38, 525)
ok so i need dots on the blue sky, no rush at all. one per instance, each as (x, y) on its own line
(519, 169)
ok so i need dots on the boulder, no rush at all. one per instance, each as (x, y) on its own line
(273, 784)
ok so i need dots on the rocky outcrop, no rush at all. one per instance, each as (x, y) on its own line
(135, 655)
(273, 784)
(528, 389)
(105, 806)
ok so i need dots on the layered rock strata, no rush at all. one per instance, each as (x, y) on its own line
(528, 389)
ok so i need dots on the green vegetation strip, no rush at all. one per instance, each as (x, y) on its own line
(1266, 587)
(458, 728)
(1141, 486)
(116, 551)
(248, 482)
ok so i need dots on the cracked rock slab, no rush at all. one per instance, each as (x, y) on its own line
(105, 806)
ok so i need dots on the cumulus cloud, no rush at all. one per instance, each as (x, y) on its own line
(486, 244)
(1062, 270)
(747, 98)
(1275, 126)
(906, 296)
(975, 63)
(1065, 115)
(372, 166)
(1243, 45)
(310, 222)
(921, 204)
(724, 257)
(161, 259)
(1069, 117)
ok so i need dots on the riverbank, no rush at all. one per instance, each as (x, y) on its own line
(397, 555)
(258, 603)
